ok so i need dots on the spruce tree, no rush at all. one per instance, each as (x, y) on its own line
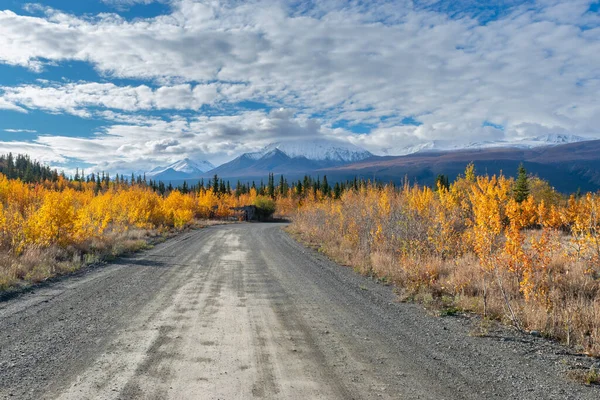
(521, 189)
(442, 181)
(215, 184)
(10, 166)
(271, 186)
(281, 188)
(325, 186)
(337, 191)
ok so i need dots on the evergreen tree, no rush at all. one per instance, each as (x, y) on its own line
(10, 166)
(521, 189)
(306, 184)
(271, 186)
(215, 184)
(281, 188)
(442, 181)
(325, 189)
(28, 175)
(337, 191)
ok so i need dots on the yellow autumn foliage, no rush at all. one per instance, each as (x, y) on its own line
(535, 262)
(65, 213)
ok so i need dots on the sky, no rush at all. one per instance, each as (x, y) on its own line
(127, 85)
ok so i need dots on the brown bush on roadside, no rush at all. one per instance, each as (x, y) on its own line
(535, 265)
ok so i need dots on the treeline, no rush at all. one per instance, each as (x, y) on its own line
(30, 171)
(308, 186)
(23, 168)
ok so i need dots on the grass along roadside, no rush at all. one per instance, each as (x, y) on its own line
(38, 264)
(578, 365)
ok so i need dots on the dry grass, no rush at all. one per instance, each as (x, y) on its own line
(37, 264)
(587, 376)
(569, 312)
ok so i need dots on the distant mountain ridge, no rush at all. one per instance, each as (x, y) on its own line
(183, 169)
(568, 167)
(321, 150)
(569, 162)
(295, 157)
(524, 143)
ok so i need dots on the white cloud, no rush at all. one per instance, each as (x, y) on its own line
(43, 153)
(131, 2)
(20, 131)
(533, 70)
(74, 98)
(7, 105)
(127, 147)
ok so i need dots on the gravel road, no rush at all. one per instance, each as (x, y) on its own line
(243, 311)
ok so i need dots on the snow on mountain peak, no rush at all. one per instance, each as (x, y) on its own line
(317, 150)
(524, 143)
(188, 166)
(557, 138)
(185, 166)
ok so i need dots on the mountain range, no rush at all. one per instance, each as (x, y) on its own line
(568, 167)
(180, 170)
(569, 162)
(521, 143)
(293, 158)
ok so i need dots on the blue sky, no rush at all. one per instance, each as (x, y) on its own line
(126, 85)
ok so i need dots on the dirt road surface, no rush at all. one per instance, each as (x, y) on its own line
(242, 312)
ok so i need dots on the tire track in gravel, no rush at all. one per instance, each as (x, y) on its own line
(243, 311)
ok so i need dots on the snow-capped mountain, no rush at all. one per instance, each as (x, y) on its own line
(292, 157)
(322, 150)
(524, 143)
(317, 150)
(554, 139)
(183, 169)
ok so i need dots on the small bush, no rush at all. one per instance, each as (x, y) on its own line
(265, 208)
